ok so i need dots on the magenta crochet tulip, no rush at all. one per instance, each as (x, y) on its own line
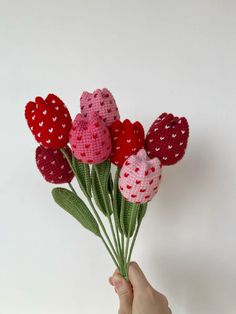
(140, 177)
(90, 139)
(102, 102)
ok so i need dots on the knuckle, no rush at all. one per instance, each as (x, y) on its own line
(150, 291)
(164, 299)
(123, 292)
(153, 294)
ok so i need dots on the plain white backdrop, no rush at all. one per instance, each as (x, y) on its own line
(155, 56)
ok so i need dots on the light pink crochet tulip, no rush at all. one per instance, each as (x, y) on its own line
(102, 102)
(140, 177)
(90, 139)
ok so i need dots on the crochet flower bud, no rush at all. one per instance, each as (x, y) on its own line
(127, 139)
(90, 139)
(49, 120)
(167, 138)
(53, 165)
(140, 177)
(102, 102)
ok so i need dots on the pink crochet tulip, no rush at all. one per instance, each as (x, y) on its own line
(102, 102)
(140, 177)
(90, 139)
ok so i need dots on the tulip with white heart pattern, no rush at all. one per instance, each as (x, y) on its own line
(49, 120)
(53, 165)
(167, 138)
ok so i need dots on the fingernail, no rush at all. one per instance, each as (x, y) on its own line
(117, 283)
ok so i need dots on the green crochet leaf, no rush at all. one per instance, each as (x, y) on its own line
(100, 176)
(103, 170)
(83, 172)
(117, 200)
(142, 211)
(77, 208)
(110, 186)
(97, 193)
(128, 217)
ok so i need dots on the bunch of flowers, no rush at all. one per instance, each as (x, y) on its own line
(86, 148)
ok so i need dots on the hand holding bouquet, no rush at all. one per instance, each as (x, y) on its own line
(97, 139)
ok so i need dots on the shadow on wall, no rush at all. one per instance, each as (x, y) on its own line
(189, 179)
(193, 276)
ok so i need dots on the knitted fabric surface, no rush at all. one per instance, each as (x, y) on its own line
(108, 201)
(49, 120)
(127, 138)
(167, 138)
(90, 139)
(102, 102)
(53, 165)
(140, 177)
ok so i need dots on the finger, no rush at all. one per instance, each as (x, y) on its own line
(110, 278)
(110, 281)
(136, 276)
(124, 291)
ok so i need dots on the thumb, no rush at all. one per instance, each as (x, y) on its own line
(136, 277)
(124, 291)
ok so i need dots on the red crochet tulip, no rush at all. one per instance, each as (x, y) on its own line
(49, 120)
(127, 139)
(167, 138)
(53, 165)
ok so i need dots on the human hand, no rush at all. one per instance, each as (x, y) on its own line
(138, 296)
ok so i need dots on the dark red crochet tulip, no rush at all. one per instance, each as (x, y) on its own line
(53, 165)
(167, 138)
(49, 120)
(127, 139)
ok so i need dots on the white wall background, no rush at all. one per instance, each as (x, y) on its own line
(155, 56)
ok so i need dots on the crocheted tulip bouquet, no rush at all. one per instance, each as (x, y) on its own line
(97, 139)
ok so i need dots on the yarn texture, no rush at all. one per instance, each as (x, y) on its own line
(53, 166)
(127, 138)
(90, 139)
(167, 138)
(49, 121)
(140, 177)
(102, 102)
(85, 150)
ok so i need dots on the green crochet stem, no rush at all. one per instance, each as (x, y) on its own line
(105, 182)
(114, 255)
(102, 238)
(115, 211)
(107, 204)
(133, 242)
(72, 188)
(133, 213)
(119, 249)
(123, 240)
